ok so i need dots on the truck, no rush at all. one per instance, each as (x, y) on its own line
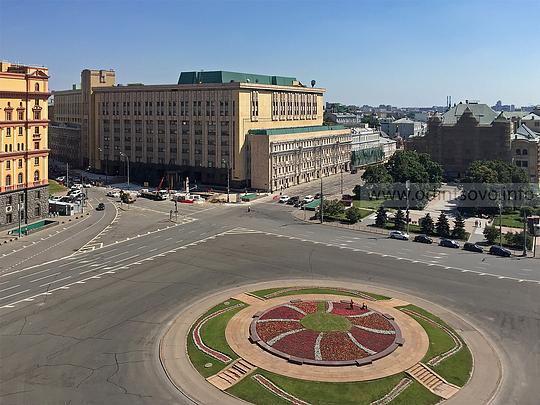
(154, 194)
(128, 197)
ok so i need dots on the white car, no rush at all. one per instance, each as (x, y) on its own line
(308, 198)
(399, 235)
(284, 198)
(87, 185)
(113, 193)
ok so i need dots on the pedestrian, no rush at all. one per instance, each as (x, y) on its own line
(249, 209)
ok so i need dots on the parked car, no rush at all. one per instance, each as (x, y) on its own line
(318, 195)
(449, 243)
(284, 198)
(307, 199)
(499, 251)
(100, 207)
(423, 239)
(87, 185)
(398, 235)
(61, 179)
(473, 247)
(293, 200)
(113, 193)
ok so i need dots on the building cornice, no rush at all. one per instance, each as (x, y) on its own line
(24, 94)
(206, 86)
(23, 154)
(14, 123)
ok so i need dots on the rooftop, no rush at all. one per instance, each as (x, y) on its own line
(296, 130)
(222, 76)
(482, 112)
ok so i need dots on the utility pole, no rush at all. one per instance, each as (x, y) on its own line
(67, 174)
(500, 223)
(341, 169)
(106, 164)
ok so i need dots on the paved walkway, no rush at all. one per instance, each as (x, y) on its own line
(481, 388)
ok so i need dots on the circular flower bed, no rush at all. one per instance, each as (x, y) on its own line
(325, 333)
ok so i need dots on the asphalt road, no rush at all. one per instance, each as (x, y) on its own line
(83, 329)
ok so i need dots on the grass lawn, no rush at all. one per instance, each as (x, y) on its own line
(213, 335)
(324, 322)
(457, 368)
(372, 205)
(513, 220)
(323, 393)
(55, 187)
(262, 293)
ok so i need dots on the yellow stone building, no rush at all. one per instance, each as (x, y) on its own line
(200, 127)
(23, 142)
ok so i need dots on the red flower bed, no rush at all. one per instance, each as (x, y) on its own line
(282, 312)
(333, 346)
(373, 341)
(269, 330)
(373, 321)
(301, 344)
(338, 346)
(345, 309)
(308, 307)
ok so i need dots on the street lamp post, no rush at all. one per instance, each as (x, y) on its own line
(321, 204)
(127, 161)
(106, 166)
(19, 214)
(228, 179)
(408, 187)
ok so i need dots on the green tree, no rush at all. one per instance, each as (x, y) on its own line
(427, 226)
(381, 218)
(515, 240)
(442, 226)
(399, 220)
(353, 214)
(333, 208)
(377, 174)
(459, 228)
(491, 234)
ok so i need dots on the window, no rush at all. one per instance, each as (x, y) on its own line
(36, 161)
(8, 131)
(36, 145)
(20, 115)
(8, 180)
(518, 151)
(8, 115)
(37, 211)
(38, 194)
(20, 130)
(20, 164)
(36, 87)
(8, 164)
(36, 175)
(37, 114)
(36, 130)
(19, 178)
(525, 164)
(524, 152)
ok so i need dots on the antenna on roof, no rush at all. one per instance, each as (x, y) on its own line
(313, 83)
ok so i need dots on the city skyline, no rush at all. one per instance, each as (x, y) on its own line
(399, 53)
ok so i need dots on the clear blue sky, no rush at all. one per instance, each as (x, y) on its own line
(404, 53)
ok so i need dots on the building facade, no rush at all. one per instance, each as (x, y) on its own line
(403, 127)
(369, 146)
(526, 151)
(197, 128)
(465, 133)
(284, 157)
(23, 143)
(65, 143)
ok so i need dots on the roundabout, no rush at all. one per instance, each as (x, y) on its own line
(306, 344)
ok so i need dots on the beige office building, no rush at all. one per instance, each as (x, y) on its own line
(198, 127)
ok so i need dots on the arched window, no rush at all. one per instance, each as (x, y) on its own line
(8, 180)
(20, 178)
(36, 175)
(37, 86)
(524, 152)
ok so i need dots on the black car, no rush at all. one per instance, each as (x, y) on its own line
(317, 196)
(423, 239)
(499, 251)
(449, 243)
(293, 200)
(473, 247)
(100, 207)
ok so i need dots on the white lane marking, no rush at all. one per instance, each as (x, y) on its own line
(33, 274)
(55, 281)
(10, 288)
(17, 293)
(41, 278)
